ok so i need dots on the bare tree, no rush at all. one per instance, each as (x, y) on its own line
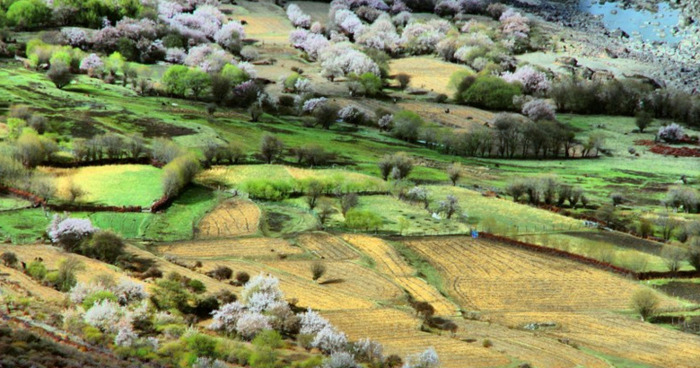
(449, 206)
(673, 257)
(313, 192)
(348, 201)
(271, 148)
(454, 172)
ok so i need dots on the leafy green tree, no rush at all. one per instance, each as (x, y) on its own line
(235, 74)
(198, 81)
(28, 13)
(175, 80)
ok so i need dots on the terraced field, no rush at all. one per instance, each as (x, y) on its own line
(389, 262)
(227, 248)
(398, 332)
(492, 277)
(346, 277)
(515, 287)
(234, 217)
(619, 335)
(327, 246)
(306, 292)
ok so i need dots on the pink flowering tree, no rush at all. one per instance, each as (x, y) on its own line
(532, 80)
(68, 232)
(92, 65)
(514, 24)
(230, 36)
(539, 109)
(671, 133)
(298, 17)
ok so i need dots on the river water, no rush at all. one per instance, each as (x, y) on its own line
(660, 25)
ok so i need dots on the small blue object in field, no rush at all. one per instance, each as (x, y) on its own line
(475, 234)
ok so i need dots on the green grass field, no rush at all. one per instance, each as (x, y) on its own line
(114, 185)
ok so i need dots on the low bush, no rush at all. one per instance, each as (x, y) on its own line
(491, 93)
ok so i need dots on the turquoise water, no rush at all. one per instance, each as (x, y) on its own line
(649, 26)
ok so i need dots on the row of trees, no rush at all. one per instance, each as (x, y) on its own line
(548, 190)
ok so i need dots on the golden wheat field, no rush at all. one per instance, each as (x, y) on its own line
(488, 276)
(326, 246)
(346, 277)
(231, 218)
(426, 72)
(389, 262)
(463, 118)
(266, 22)
(619, 335)
(231, 248)
(528, 346)
(399, 332)
(299, 286)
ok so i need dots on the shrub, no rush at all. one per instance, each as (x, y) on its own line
(65, 278)
(105, 246)
(317, 270)
(242, 277)
(36, 270)
(196, 286)
(491, 93)
(362, 220)
(59, 73)
(9, 259)
(407, 125)
(673, 257)
(221, 273)
(643, 119)
(671, 133)
(201, 345)
(97, 297)
(646, 303)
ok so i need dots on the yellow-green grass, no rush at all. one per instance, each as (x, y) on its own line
(237, 176)
(114, 185)
(427, 72)
(11, 203)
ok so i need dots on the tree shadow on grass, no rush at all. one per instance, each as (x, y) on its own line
(332, 281)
